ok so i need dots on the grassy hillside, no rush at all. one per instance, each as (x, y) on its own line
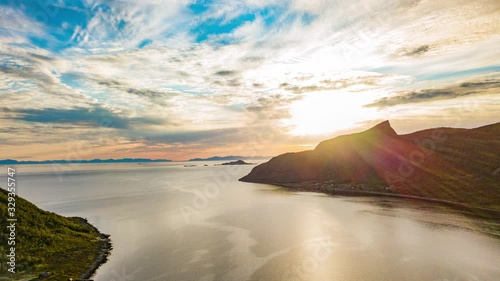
(457, 165)
(463, 168)
(47, 242)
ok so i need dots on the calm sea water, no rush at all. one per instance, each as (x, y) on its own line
(170, 222)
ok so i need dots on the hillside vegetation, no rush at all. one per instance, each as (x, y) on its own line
(457, 165)
(47, 242)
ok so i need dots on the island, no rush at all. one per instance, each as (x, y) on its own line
(47, 245)
(238, 162)
(455, 166)
(229, 158)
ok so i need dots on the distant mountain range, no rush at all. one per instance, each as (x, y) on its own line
(228, 158)
(123, 160)
(445, 164)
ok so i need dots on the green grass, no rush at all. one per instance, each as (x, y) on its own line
(46, 241)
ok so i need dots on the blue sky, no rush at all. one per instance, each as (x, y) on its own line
(178, 79)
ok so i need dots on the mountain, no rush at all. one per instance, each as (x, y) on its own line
(123, 160)
(48, 243)
(228, 158)
(457, 165)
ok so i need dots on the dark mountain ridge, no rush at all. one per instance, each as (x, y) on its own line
(459, 165)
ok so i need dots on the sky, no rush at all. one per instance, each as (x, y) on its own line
(89, 79)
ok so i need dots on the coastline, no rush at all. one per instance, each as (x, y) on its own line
(105, 248)
(476, 211)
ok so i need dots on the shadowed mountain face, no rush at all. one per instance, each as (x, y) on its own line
(459, 165)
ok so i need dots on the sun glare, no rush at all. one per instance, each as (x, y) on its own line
(328, 112)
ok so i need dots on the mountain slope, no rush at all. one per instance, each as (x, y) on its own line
(459, 165)
(47, 242)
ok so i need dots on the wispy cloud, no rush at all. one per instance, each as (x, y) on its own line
(87, 117)
(464, 89)
(198, 72)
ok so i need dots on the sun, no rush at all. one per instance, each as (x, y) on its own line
(328, 112)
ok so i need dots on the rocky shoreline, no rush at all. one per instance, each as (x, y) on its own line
(105, 248)
(363, 190)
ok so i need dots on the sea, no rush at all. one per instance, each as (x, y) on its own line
(175, 221)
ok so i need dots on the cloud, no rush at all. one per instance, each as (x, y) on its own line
(470, 88)
(272, 108)
(42, 57)
(82, 117)
(225, 73)
(219, 136)
(199, 71)
(418, 51)
(155, 96)
(493, 83)
(353, 82)
(15, 23)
